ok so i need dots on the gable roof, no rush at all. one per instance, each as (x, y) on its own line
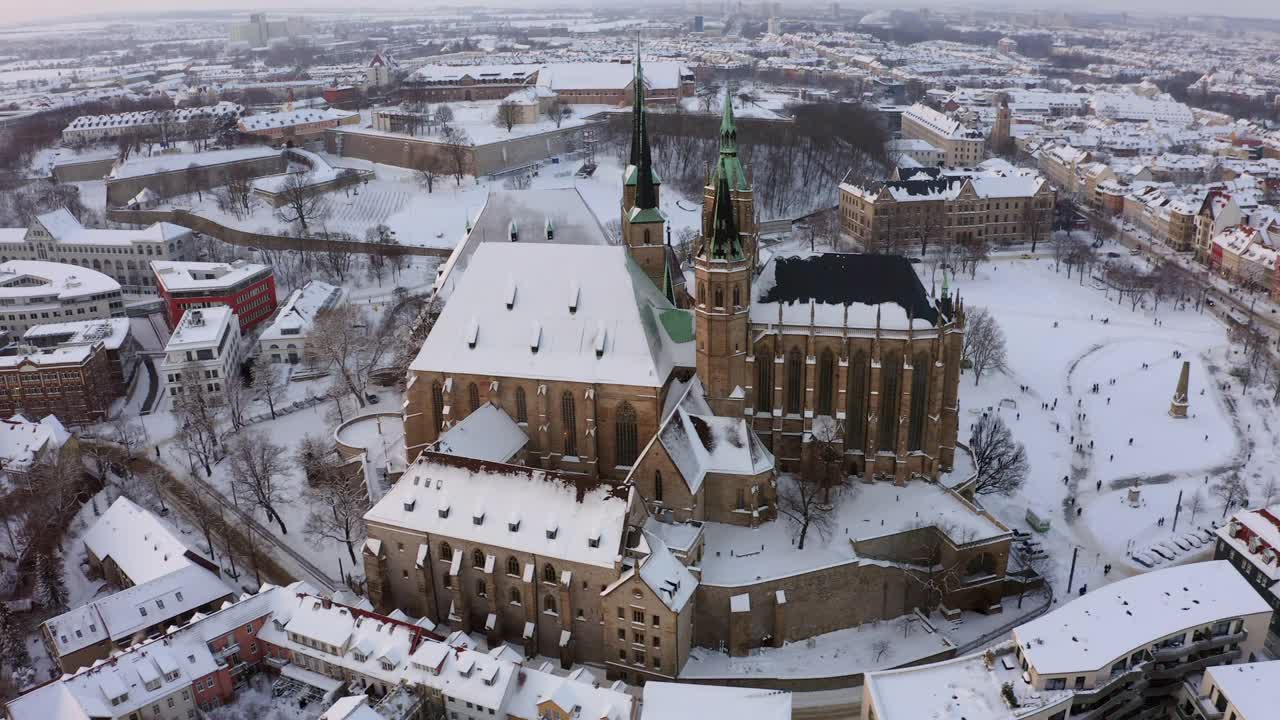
(488, 433)
(702, 443)
(142, 546)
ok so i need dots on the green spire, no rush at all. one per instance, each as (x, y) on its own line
(728, 128)
(637, 110)
(725, 243)
(729, 166)
(668, 286)
(646, 192)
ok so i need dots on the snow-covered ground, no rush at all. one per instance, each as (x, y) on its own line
(1063, 337)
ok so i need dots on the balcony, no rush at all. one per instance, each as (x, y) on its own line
(1171, 653)
(227, 651)
(1195, 665)
(1123, 701)
(1201, 709)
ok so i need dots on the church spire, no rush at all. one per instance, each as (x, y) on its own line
(728, 127)
(641, 156)
(725, 243)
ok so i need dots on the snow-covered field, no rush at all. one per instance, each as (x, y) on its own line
(1063, 337)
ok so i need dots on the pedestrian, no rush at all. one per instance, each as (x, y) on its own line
(1079, 510)
(1113, 457)
(1098, 487)
(1090, 444)
(1108, 401)
(1073, 439)
(1130, 442)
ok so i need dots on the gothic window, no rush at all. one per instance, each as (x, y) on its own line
(826, 382)
(890, 377)
(481, 590)
(647, 241)
(513, 566)
(473, 396)
(625, 434)
(657, 486)
(549, 604)
(741, 499)
(548, 573)
(857, 400)
(514, 595)
(737, 296)
(702, 293)
(446, 552)
(477, 559)
(719, 297)
(522, 409)
(795, 381)
(919, 400)
(437, 403)
(568, 423)
(764, 380)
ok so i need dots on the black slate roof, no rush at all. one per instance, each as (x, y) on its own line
(848, 278)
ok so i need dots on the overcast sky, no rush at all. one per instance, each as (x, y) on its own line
(27, 10)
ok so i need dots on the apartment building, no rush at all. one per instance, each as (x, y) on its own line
(206, 343)
(167, 124)
(284, 339)
(71, 383)
(248, 289)
(114, 334)
(1248, 257)
(1251, 542)
(121, 255)
(1121, 652)
(34, 292)
(25, 445)
(960, 206)
(960, 146)
(1061, 165)
(1232, 692)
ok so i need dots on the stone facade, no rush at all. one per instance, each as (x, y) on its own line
(187, 180)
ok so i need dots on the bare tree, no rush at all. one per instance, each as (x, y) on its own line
(336, 263)
(197, 411)
(707, 96)
(880, 647)
(1232, 492)
(127, 432)
(344, 340)
(1061, 244)
(457, 150)
(927, 223)
(926, 563)
(1195, 504)
(800, 501)
(427, 176)
(236, 195)
(1269, 491)
(973, 253)
(444, 116)
(1000, 460)
(256, 466)
(267, 382)
(984, 344)
(508, 114)
(301, 203)
(338, 505)
(236, 398)
(557, 110)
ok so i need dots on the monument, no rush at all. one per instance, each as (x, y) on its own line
(1178, 408)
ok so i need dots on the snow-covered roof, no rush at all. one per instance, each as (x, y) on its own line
(691, 701)
(65, 229)
(489, 433)
(577, 695)
(610, 76)
(111, 332)
(665, 575)
(1252, 533)
(487, 73)
(299, 311)
(935, 121)
(119, 615)
(140, 544)
(138, 165)
(178, 276)
(36, 278)
(701, 444)
(556, 312)
(289, 118)
(352, 707)
(1091, 632)
(524, 509)
(200, 328)
(22, 442)
(1250, 687)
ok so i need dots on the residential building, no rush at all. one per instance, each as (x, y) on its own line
(204, 350)
(928, 206)
(1124, 650)
(292, 125)
(121, 255)
(1247, 256)
(284, 339)
(1251, 542)
(160, 124)
(1232, 692)
(1218, 212)
(248, 289)
(35, 292)
(960, 146)
(115, 335)
(129, 546)
(25, 445)
(1061, 165)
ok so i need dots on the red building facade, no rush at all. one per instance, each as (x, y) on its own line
(249, 290)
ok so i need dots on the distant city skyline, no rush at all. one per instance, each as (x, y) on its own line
(70, 9)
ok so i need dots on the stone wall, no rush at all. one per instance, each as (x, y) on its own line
(84, 171)
(423, 153)
(180, 182)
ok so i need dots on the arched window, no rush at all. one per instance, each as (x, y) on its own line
(473, 396)
(548, 573)
(513, 566)
(446, 552)
(890, 381)
(919, 400)
(647, 241)
(719, 294)
(795, 381)
(514, 596)
(481, 590)
(569, 423)
(437, 403)
(657, 486)
(522, 409)
(856, 401)
(826, 381)
(737, 296)
(764, 380)
(624, 425)
(477, 559)
(549, 604)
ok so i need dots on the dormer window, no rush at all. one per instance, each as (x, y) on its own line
(408, 504)
(477, 518)
(593, 541)
(513, 525)
(551, 532)
(443, 511)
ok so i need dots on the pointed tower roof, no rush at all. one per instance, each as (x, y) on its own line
(729, 165)
(640, 156)
(725, 243)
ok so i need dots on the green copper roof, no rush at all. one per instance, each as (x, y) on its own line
(678, 324)
(725, 243)
(729, 166)
(646, 215)
(629, 178)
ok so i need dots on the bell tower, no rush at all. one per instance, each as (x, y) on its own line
(729, 167)
(643, 224)
(723, 300)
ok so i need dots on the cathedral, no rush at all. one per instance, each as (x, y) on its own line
(598, 439)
